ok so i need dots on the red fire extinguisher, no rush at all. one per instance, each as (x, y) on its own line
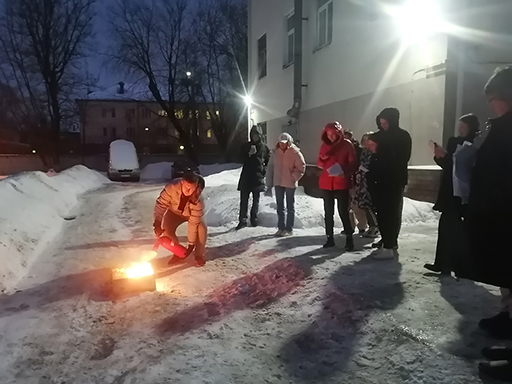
(175, 248)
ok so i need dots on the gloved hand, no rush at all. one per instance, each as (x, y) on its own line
(268, 192)
(253, 150)
(190, 248)
(157, 227)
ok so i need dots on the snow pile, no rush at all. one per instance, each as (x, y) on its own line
(32, 210)
(223, 200)
(157, 171)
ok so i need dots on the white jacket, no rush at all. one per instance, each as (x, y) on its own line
(285, 168)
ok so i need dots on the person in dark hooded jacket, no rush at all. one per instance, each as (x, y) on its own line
(387, 179)
(451, 237)
(255, 156)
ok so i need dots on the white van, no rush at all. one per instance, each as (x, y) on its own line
(123, 161)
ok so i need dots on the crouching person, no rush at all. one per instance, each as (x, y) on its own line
(285, 169)
(180, 202)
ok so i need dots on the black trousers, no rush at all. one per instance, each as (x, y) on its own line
(244, 205)
(389, 203)
(451, 239)
(343, 199)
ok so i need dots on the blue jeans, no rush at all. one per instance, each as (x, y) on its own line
(290, 208)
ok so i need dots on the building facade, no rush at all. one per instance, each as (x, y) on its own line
(355, 58)
(126, 112)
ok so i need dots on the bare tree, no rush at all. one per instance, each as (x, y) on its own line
(42, 43)
(221, 45)
(150, 41)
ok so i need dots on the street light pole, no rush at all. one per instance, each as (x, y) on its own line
(248, 102)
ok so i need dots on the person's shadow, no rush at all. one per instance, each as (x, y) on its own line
(354, 291)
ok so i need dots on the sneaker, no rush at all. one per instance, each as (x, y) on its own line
(499, 370)
(200, 261)
(330, 242)
(495, 321)
(241, 225)
(349, 244)
(378, 244)
(286, 233)
(385, 254)
(371, 233)
(497, 353)
(279, 233)
(436, 269)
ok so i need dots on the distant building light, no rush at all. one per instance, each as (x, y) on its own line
(182, 147)
(33, 151)
(209, 133)
(146, 129)
(188, 73)
(217, 113)
(162, 113)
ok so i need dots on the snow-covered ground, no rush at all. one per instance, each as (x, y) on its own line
(262, 310)
(33, 208)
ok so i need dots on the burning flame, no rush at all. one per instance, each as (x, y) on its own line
(139, 270)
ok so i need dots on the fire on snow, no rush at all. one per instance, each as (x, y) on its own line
(139, 270)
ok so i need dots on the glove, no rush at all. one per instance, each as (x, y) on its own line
(253, 150)
(190, 248)
(157, 227)
(268, 192)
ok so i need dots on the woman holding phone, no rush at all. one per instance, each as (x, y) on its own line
(338, 161)
(451, 230)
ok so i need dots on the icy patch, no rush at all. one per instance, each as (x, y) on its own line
(32, 210)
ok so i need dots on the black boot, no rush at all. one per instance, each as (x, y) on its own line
(349, 243)
(241, 224)
(436, 269)
(254, 222)
(330, 242)
(497, 353)
(499, 370)
(502, 318)
(379, 244)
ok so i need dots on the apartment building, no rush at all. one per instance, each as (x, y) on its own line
(316, 61)
(130, 113)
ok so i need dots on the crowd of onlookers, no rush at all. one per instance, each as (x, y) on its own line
(366, 181)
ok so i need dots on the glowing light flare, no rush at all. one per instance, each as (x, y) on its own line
(139, 270)
(182, 147)
(248, 100)
(418, 19)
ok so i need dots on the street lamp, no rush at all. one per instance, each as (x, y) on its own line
(418, 19)
(188, 73)
(248, 103)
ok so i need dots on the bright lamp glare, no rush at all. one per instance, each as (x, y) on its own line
(248, 100)
(188, 73)
(418, 19)
(182, 147)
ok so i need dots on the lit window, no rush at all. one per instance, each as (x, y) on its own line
(290, 40)
(208, 115)
(324, 19)
(162, 113)
(179, 114)
(197, 114)
(217, 113)
(209, 133)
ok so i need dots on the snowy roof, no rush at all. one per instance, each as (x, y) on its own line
(125, 92)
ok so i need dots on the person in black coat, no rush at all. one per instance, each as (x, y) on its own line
(387, 178)
(450, 236)
(255, 156)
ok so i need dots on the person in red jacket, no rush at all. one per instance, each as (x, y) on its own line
(338, 161)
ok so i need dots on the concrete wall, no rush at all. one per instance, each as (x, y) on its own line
(364, 69)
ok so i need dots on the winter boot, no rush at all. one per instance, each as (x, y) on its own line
(502, 318)
(330, 242)
(200, 261)
(254, 222)
(279, 233)
(497, 353)
(385, 254)
(286, 233)
(499, 370)
(349, 244)
(378, 244)
(241, 224)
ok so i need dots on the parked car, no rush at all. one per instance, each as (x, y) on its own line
(123, 161)
(181, 166)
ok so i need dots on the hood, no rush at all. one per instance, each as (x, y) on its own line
(282, 137)
(392, 115)
(256, 130)
(336, 127)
